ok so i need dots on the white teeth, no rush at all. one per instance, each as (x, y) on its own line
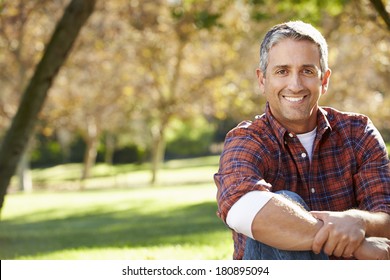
(293, 99)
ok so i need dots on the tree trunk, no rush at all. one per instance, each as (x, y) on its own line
(89, 157)
(158, 132)
(32, 101)
(110, 148)
(158, 151)
(381, 9)
(65, 140)
(24, 172)
(92, 141)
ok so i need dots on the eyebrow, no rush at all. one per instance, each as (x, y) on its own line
(311, 65)
(288, 66)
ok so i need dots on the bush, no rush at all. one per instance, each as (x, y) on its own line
(190, 139)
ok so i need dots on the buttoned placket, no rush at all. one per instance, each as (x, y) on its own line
(301, 159)
(313, 165)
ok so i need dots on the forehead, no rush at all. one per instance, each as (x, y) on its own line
(293, 52)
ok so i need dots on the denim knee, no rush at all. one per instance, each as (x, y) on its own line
(255, 250)
(294, 197)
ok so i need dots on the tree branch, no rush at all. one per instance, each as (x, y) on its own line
(381, 9)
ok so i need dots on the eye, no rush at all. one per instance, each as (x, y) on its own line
(309, 72)
(281, 72)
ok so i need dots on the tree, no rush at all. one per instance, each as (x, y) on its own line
(381, 9)
(91, 96)
(21, 39)
(35, 94)
(176, 57)
(358, 57)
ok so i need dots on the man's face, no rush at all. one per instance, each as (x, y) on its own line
(293, 85)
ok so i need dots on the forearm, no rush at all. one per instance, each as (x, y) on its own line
(373, 248)
(376, 223)
(344, 232)
(285, 225)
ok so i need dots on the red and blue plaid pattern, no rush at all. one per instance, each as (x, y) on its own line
(349, 169)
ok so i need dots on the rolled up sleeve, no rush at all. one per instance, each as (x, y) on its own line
(240, 170)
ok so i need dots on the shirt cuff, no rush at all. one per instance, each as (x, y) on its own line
(243, 212)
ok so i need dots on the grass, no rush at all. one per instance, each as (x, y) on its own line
(117, 216)
(174, 221)
(174, 172)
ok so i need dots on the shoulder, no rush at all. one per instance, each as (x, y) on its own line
(250, 134)
(334, 114)
(346, 120)
(355, 127)
(250, 127)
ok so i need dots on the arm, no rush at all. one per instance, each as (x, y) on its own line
(344, 232)
(377, 224)
(376, 247)
(373, 248)
(285, 225)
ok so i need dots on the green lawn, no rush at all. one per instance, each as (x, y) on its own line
(117, 215)
(173, 221)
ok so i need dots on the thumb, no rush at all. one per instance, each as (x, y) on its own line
(321, 215)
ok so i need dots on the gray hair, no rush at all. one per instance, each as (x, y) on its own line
(296, 30)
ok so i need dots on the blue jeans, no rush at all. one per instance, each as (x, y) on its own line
(255, 250)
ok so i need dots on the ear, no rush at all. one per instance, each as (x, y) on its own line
(260, 79)
(325, 81)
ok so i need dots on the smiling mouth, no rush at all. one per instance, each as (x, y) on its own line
(294, 99)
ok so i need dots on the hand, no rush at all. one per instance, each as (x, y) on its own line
(374, 248)
(341, 234)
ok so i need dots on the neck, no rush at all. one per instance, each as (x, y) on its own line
(300, 127)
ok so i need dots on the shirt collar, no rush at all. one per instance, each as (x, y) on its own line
(323, 124)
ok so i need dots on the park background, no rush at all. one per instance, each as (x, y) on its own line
(121, 160)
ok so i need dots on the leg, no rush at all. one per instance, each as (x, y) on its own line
(255, 250)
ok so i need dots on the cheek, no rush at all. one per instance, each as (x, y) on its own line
(314, 83)
(274, 87)
(314, 86)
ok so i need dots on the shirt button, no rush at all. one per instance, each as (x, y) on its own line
(291, 135)
(313, 190)
(303, 155)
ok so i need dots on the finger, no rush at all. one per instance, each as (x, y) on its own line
(341, 248)
(350, 249)
(330, 246)
(319, 240)
(332, 240)
(353, 244)
(348, 252)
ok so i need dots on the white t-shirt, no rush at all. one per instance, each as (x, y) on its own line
(243, 212)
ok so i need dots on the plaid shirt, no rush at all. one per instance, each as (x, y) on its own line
(349, 168)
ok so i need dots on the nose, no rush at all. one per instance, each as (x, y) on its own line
(295, 83)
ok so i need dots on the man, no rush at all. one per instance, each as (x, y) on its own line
(303, 181)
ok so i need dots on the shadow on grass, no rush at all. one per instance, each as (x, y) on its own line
(130, 228)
